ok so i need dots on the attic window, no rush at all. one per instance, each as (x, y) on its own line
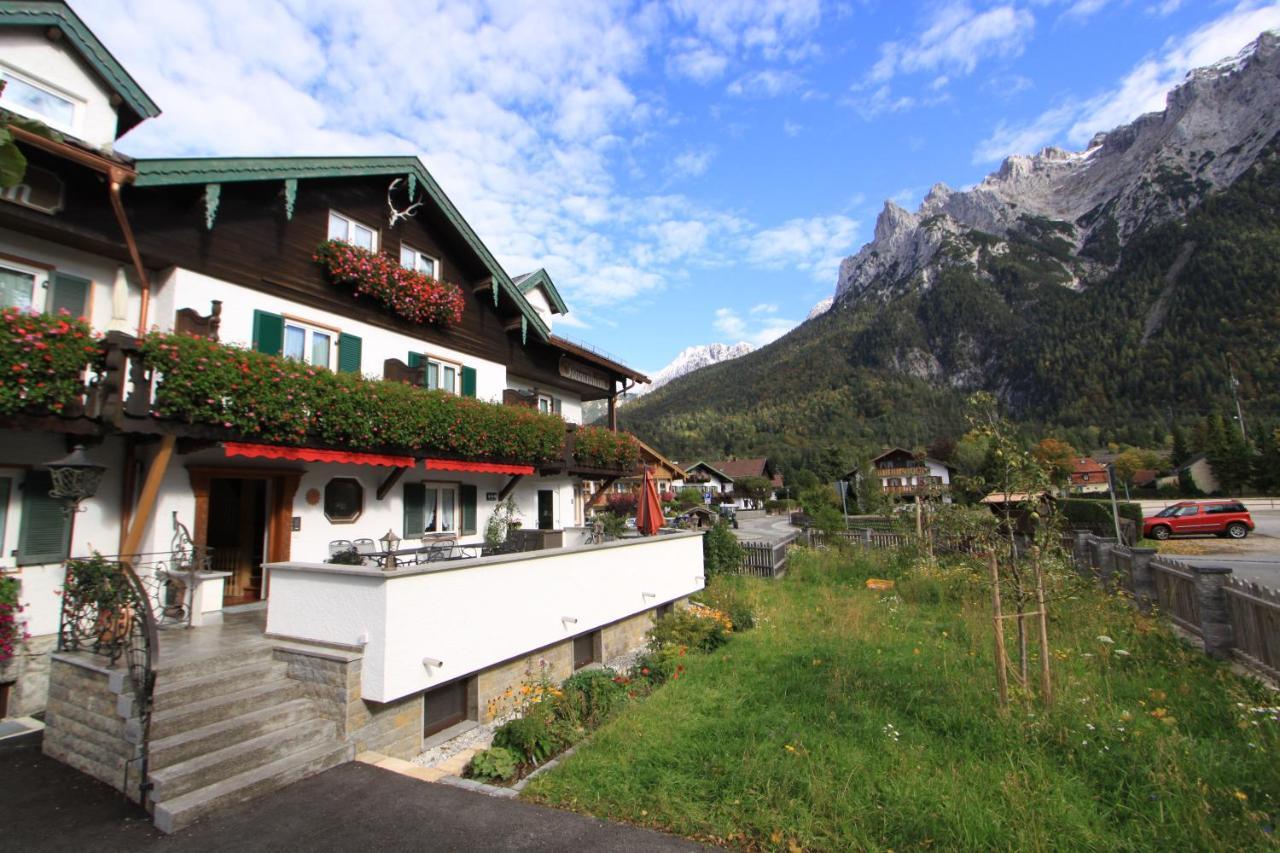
(35, 100)
(350, 231)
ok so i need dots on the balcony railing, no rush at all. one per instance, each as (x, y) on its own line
(919, 489)
(913, 471)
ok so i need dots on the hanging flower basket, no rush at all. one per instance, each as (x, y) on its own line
(412, 295)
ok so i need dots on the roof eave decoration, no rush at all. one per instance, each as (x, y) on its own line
(160, 172)
(540, 278)
(27, 13)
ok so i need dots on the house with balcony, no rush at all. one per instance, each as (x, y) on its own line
(903, 476)
(266, 364)
(714, 484)
(1088, 476)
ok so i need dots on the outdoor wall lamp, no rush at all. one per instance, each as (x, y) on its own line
(74, 478)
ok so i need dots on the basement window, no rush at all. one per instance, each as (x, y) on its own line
(586, 650)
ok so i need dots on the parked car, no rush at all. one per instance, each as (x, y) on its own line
(1222, 518)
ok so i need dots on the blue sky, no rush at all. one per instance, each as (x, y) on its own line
(687, 171)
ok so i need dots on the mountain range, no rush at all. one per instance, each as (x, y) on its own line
(1099, 294)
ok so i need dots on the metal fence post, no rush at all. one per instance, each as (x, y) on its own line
(1215, 615)
(1141, 580)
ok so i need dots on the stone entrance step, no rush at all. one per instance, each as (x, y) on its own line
(171, 750)
(192, 715)
(172, 692)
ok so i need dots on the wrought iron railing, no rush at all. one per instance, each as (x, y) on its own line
(114, 606)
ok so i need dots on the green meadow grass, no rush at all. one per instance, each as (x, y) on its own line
(853, 719)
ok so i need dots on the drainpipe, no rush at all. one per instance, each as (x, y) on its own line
(117, 178)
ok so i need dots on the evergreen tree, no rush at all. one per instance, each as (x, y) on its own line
(1179, 453)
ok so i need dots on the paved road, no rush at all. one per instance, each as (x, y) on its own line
(770, 528)
(47, 806)
(1257, 558)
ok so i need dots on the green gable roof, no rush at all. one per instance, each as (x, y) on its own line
(136, 104)
(222, 170)
(531, 280)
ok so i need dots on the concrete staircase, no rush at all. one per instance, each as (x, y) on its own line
(227, 729)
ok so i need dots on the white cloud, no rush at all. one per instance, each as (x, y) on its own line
(756, 330)
(698, 62)
(880, 102)
(791, 128)
(694, 162)
(1083, 9)
(815, 245)
(767, 83)
(956, 40)
(1142, 90)
(1168, 7)
(764, 308)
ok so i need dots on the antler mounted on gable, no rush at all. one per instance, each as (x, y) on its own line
(397, 215)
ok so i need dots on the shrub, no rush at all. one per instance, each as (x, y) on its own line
(599, 447)
(1097, 510)
(497, 764)
(43, 359)
(735, 599)
(614, 525)
(685, 629)
(590, 697)
(721, 553)
(688, 497)
(413, 295)
(349, 557)
(622, 503)
(531, 737)
(656, 666)
(11, 632)
(284, 401)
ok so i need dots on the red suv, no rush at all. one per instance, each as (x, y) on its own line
(1221, 518)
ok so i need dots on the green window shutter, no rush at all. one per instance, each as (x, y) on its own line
(6, 485)
(69, 292)
(349, 347)
(415, 359)
(268, 332)
(556, 403)
(468, 381)
(44, 534)
(415, 502)
(467, 497)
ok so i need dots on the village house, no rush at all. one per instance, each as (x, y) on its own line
(712, 482)
(664, 473)
(1088, 476)
(903, 476)
(301, 359)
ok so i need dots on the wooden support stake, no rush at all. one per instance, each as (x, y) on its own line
(147, 500)
(1002, 677)
(389, 483)
(1046, 683)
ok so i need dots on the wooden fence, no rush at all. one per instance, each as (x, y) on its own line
(1255, 624)
(1231, 617)
(765, 559)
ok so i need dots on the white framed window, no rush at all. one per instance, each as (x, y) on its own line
(440, 510)
(345, 228)
(416, 259)
(306, 342)
(34, 99)
(442, 375)
(545, 404)
(19, 283)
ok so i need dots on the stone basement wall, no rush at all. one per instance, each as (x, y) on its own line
(90, 722)
(29, 673)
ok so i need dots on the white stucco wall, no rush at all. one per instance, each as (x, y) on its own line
(55, 64)
(101, 271)
(181, 288)
(538, 301)
(477, 613)
(96, 528)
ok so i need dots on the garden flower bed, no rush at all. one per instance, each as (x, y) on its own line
(283, 401)
(853, 719)
(551, 720)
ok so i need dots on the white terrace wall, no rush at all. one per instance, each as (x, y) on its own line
(428, 625)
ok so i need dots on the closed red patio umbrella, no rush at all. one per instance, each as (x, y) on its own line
(648, 508)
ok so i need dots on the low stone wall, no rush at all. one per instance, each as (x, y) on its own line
(28, 670)
(90, 721)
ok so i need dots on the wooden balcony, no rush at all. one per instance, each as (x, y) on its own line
(913, 471)
(920, 489)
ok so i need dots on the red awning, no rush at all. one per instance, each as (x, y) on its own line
(306, 454)
(476, 467)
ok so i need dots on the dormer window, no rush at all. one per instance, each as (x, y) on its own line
(39, 101)
(350, 231)
(414, 259)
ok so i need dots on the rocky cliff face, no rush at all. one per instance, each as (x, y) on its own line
(1157, 168)
(691, 359)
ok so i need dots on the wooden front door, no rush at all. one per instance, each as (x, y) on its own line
(546, 509)
(250, 511)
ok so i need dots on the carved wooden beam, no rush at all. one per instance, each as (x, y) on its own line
(511, 484)
(598, 499)
(389, 483)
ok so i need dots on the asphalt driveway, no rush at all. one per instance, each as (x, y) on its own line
(47, 806)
